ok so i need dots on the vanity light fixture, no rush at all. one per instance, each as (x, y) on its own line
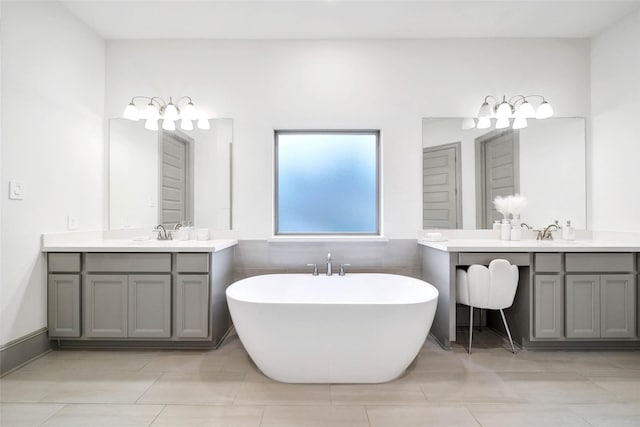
(517, 108)
(169, 112)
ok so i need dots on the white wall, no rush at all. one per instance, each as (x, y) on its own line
(387, 85)
(615, 109)
(52, 141)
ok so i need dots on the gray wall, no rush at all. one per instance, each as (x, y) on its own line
(398, 256)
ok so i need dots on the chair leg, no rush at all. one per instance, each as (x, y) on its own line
(470, 327)
(504, 320)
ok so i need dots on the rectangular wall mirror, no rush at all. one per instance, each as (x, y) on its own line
(161, 177)
(463, 170)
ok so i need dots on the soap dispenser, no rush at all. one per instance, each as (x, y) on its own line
(505, 230)
(568, 232)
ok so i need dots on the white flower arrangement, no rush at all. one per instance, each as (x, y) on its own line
(510, 205)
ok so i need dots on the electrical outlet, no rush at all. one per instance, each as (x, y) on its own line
(72, 222)
(16, 190)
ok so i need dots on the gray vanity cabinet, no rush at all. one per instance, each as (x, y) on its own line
(548, 306)
(120, 305)
(149, 299)
(64, 305)
(192, 306)
(132, 299)
(600, 306)
(617, 305)
(548, 296)
(105, 305)
(583, 306)
(63, 295)
(149, 305)
(192, 299)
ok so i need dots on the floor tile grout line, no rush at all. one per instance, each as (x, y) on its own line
(157, 415)
(64, 405)
(136, 402)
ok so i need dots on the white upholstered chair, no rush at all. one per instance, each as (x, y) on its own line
(492, 288)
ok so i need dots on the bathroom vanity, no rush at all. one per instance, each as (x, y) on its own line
(123, 293)
(570, 294)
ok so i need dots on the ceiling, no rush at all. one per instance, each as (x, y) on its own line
(350, 19)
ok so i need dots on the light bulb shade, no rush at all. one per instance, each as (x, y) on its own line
(502, 122)
(544, 111)
(484, 123)
(186, 124)
(189, 112)
(168, 124)
(519, 123)
(504, 110)
(151, 124)
(485, 111)
(171, 112)
(131, 112)
(150, 112)
(203, 123)
(468, 123)
(525, 110)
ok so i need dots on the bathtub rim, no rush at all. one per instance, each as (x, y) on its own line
(432, 290)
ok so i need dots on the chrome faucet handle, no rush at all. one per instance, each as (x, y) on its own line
(342, 266)
(162, 232)
(315, 269)
(329, 267)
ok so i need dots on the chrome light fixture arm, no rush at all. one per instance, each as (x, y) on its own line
(157, 108)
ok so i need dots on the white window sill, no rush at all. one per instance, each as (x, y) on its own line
(326, 238)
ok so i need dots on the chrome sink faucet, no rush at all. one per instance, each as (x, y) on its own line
(329, 268)
(162, 232)
(546, 233)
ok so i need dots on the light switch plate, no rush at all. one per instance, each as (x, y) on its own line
(16, 190)
(72, 222)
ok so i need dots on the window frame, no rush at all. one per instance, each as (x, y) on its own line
(372, 132)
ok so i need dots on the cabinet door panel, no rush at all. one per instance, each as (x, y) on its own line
(149, 305)
(192, 306)
(618, 312)
(549, 306)
(583, 306)
(105, 305)
(64, 305)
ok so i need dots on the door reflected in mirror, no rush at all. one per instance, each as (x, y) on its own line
(168, 177)
(464, 170)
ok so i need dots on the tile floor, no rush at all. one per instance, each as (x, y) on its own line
(223, 388)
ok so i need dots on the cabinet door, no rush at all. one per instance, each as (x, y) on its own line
(105, 305)
(192, 306)
(618, 311)
(548, 306)
(149, 305)
(583, 306)
(64, 305)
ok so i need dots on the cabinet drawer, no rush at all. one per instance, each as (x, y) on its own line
(128, 263)
(484, 258)
(192, 263)
(64, 262)
(548, 263)
(599, 262)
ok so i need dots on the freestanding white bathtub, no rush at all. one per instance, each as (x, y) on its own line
(358, 328)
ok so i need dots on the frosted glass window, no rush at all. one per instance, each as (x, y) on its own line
(327, 182)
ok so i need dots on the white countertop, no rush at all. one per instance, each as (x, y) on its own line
(495, 245)
(95, 241)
